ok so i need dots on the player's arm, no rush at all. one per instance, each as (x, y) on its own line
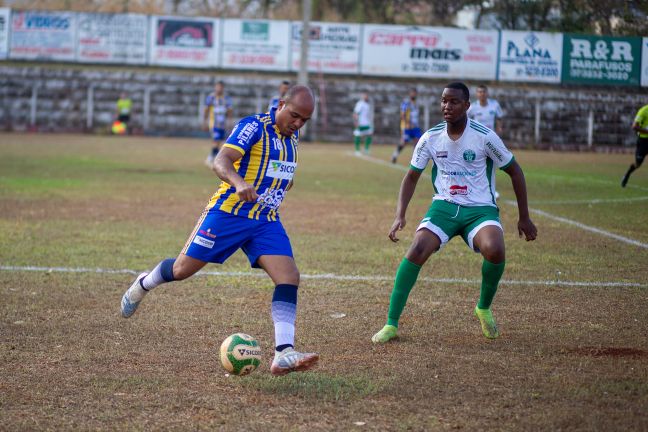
(408, 186)
(206, 117)
(525, 225)
(637, 128)
(224, 168)
(499, 117)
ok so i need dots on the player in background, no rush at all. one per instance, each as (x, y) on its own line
(218, 110)
(256, 164)
(487, 111)
(123, 109)
(363, 123)
(283, 89)
(464, 155)
(409, 123)
(640, 126)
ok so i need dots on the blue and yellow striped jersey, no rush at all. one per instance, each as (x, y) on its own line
(411, 114)
(268, 163)
(218, 107)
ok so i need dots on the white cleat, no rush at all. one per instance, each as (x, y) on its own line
(132, 297)
(290, 360)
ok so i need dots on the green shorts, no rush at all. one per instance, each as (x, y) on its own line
(363, 131)
(447, 220)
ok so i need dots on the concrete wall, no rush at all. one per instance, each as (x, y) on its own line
(63, 93)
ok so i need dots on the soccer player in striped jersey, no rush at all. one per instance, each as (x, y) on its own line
(464, 156)
(256, 165)
(218, 109)
(409, 123)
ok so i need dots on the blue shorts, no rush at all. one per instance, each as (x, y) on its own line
(218, 235)
(412, 134)
(218, 134)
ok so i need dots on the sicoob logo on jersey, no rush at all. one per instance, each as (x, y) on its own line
(469, 155)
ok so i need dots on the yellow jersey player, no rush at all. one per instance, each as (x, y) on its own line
(409, 123)
(640, 126)
(256, 164)
(218, 109)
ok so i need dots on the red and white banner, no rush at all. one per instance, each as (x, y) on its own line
(332, 47)
(43, 35)
(112, 38)
(256, 44)
(429, 52)
(184, 42)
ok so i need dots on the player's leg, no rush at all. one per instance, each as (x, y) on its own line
(216, 236)
(368, 140)
(640, 155)
(218, 135)
(269, 248)
(424, 245)
(168, 270)
(356, 140)
(399, 147)
(489, 240)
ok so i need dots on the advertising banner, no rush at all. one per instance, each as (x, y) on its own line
(644, 62)
(112, 38)
(256, 44)
(431, 52)
(43, 35)
(184, 42)
(4, 32)
(601, 60)
(332, 47)
(530, 56)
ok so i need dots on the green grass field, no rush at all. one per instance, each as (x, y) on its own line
(572, 307)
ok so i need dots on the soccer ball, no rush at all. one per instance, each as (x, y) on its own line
(119, 128)
(240, 354)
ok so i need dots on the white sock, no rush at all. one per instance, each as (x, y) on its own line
(284, 333)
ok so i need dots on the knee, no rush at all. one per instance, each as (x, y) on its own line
(294, 277)
(493, 252)
(181, 271)
(419, 253)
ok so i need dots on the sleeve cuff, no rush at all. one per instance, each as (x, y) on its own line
(413, 168)
(503, 167)
(234, 147)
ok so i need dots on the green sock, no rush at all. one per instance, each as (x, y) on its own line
(357, 143)
(491, 275)
(405, 279)
(367, 142)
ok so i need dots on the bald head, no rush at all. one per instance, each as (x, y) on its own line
(295, 109)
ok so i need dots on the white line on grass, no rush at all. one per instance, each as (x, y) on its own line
(329, 276)
(536, 211)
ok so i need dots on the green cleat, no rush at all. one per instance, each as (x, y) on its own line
(385, 335)
(488, 325)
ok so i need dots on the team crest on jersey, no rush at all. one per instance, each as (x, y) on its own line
(469, 155)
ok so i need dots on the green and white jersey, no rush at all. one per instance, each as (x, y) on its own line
(463, 171)
(486, 115)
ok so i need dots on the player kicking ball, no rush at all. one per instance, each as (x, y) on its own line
(464, 156)
(256, 164)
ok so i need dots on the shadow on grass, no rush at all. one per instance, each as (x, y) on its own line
(315, 385)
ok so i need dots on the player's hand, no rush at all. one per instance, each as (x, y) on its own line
(528, 229)
(246, 192)
(399, 224)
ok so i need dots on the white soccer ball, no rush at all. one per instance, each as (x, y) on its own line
(240, 354)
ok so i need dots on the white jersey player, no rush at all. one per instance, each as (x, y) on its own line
(486, 111)
(464, 156)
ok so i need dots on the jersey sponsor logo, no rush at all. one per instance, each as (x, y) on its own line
(207, 233)
(469, 155)
(495, 151)
(281, 170)
(442, 154)
(202, 241)
(458, 190)
(459, 173)
(247, 132)
(271, 198)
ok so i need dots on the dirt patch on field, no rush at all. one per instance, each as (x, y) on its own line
(609, 352)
